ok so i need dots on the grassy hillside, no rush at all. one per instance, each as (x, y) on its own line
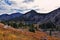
(15, 34)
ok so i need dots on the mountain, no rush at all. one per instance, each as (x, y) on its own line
(15, 16)
(6, 17)
(55, 18)
(34, 17)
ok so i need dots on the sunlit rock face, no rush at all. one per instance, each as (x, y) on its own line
(23, 6)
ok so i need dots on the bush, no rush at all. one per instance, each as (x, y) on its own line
(31, 28)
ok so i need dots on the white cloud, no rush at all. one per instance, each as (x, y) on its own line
(41, 6)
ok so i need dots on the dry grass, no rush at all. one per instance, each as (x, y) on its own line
(14, 34)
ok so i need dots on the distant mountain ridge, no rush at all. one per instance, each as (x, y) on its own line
(6, 17)
(34, 17)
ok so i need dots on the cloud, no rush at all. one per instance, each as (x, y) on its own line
(28, 1)
(23, 6)
(8, 2)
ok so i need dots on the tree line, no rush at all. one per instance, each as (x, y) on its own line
(50, 26)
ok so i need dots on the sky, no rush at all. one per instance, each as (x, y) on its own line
(23, 6)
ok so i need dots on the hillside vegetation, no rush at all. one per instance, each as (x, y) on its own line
(10, 33)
